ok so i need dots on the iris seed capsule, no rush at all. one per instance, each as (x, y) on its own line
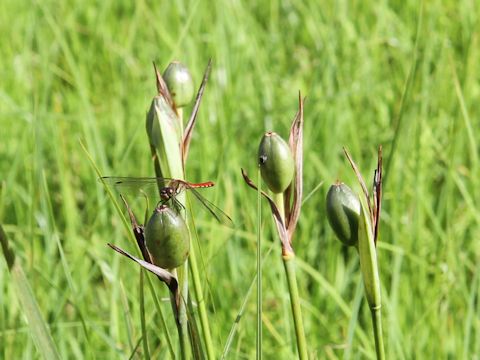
(276, 162)
(343, 212)
(180, 83)
(167, 238)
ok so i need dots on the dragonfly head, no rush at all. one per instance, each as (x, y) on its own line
(166, 193)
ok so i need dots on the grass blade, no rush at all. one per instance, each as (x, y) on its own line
(146, 352)
(38, 326)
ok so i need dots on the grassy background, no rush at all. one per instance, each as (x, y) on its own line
(374, 73)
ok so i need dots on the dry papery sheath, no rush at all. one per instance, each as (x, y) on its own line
(373, 203)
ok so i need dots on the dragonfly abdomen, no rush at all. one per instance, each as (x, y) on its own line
(202, 185)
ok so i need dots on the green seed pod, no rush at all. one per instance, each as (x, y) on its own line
(180, 83)
(343, 211)
(167, 238)
(276, 162)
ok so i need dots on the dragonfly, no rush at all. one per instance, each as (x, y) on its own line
(168, 189)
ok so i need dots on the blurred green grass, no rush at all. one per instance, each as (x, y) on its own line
(80, 71)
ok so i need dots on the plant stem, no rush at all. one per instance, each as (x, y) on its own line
(158, 307)
(182, 309)
(197, 286)
(172, 167)
(288, 257)
(259, 267)
(289, 264)
(377, 332)
(184, 341)
(196, 282)
(181, 312)
(146, 351)
(183, 337)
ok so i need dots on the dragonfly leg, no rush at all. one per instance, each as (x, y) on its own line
(176, 205)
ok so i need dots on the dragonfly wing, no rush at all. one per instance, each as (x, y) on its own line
(221, 217)
(135, 186)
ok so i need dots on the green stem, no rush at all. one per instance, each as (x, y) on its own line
(183, 337)
(146, 351)
(180, 311)
(259, 267)
(165, 129)
(377, 332)
(202, 310)
(289, 264)
(158, 307)
(184, 340)
(197, 284)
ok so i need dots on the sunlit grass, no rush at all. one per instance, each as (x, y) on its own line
(81, 71)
